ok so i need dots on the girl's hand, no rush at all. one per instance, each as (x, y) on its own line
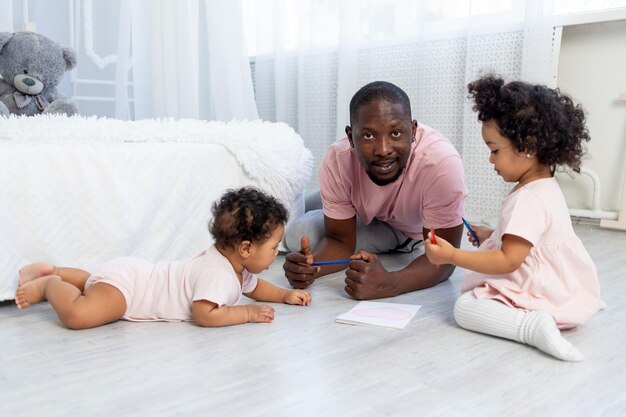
(260, 313)
(297, 297)
(440, 252)
(482, 233)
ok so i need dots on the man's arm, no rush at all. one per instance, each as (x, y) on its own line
(369, 280)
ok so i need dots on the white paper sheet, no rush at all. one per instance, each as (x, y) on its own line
(370, 313)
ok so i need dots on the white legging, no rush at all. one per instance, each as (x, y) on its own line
(535, 328)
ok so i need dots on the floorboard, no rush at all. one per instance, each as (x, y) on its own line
(305, 364)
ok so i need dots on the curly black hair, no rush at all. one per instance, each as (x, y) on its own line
(245, 214)
(378, 90)
(536, 119)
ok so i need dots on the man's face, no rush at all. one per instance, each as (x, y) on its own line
(382, 134)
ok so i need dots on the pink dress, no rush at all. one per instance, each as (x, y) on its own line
(165, 291)
(429, 193)
(558, 275)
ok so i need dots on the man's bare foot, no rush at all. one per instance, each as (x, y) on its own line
(34, 271)
(32, 292)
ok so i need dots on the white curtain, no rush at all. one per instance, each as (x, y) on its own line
(173, 58)
(6, 17)
(230, 81)
(311, 56)
(165, 56)
(179, 70)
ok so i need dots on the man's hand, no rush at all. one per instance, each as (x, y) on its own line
(367, 279)
(297, 266)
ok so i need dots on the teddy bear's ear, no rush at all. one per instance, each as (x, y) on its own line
(5, 37)
(69, 54)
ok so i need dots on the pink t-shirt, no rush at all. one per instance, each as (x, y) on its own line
(165, 291)
(429, 193)
(558, 275)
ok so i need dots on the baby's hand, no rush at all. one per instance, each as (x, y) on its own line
(297, 297)
(440, 252)
(260, 313)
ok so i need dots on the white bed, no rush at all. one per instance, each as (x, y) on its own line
(78, 191)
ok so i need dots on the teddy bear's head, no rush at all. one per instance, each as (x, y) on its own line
(31, 67)
(33, 63)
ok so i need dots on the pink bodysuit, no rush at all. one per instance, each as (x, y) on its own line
(165, 291)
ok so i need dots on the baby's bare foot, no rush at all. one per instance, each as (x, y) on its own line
(32, 292)
(34, 271)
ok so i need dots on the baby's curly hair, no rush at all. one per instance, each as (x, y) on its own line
(535, 118)
(245, 214)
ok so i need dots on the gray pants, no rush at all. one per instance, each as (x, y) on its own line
(376, 237)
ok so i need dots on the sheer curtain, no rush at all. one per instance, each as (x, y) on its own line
(163, 58)
(6, 18)
(160, 39)
(310, 57)
(179, 70)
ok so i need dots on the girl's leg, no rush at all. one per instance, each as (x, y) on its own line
(76, 277)
(100, 304)
(535, 328)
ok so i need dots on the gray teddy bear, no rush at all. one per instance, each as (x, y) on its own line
(31, 67)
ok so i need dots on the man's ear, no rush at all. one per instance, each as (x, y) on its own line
(244, 249)
(349, 134)
(414, 129)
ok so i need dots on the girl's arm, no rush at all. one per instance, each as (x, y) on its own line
(493, 262)
(208, 314)
(265, 291)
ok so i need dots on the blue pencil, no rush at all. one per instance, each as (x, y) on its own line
(339, 262)
(471, 231)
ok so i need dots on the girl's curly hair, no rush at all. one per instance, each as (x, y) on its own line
(536, 119)
(245, 214)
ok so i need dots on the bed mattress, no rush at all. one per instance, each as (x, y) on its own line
(78, 191)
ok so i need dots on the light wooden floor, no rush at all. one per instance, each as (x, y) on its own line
(305, 364)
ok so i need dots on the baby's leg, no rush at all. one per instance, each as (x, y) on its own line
(100, 304)
(33, 271)
(535, 328)
(76, 277)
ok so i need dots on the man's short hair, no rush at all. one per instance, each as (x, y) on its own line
(378, 90)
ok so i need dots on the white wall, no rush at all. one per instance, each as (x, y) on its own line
(592, 69)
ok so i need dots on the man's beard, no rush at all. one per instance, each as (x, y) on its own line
(381, 182)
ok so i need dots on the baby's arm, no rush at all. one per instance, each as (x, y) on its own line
(208, 314)
(265, 291)
(494, 262)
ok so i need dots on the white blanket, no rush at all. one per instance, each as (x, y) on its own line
(78, 191)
